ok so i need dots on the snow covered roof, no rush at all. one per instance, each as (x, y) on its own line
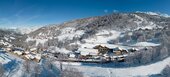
(18, 52)
(72, 55)
(84, 51)
(29, 56)
(33, 49)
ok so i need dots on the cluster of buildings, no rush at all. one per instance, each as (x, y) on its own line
(99, 54)
(30, 54)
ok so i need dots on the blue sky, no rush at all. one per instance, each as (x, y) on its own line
(19, 13)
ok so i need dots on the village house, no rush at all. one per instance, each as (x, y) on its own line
(119, 51)
(114, 51)
(18, 51)
(26, 53)
(114, 54)
(121, 59)
(36, 57)
(99, 53)
(132, 50)
(102, 49)
(33, 49)
(87, 51)
(107, 57)
(8, 49)
(74, 54)
(28, 57)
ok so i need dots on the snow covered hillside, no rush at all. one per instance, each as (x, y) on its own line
(99, 30)
(9, 38)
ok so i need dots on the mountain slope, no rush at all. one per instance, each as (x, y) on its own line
(9, 38)
(79, 30)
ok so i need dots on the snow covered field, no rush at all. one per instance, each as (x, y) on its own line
(140, 71)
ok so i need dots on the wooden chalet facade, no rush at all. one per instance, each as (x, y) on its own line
(102, 49)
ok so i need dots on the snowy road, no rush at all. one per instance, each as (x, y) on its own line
(146, 70)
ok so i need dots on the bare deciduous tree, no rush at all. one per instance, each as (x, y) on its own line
(163, 52)
(146, 57)
(166, 71)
